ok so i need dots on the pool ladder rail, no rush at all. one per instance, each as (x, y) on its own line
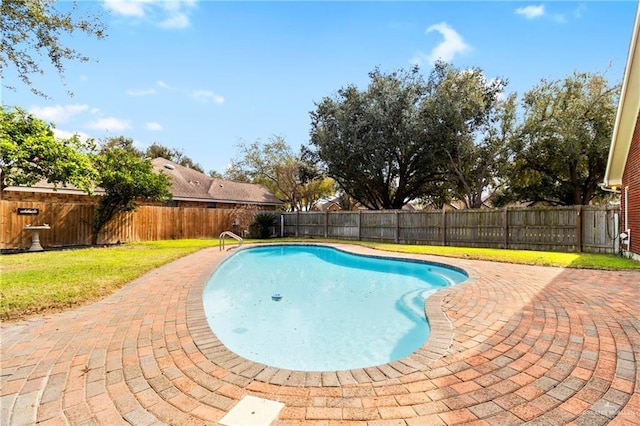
(232, 235)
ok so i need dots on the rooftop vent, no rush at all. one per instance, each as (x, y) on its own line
(169, 166)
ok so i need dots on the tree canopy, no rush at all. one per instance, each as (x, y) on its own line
(30, 152)
(126, 179)
(156, 150)
(373, 142)
(121, 142)
(561, 148)
(38, 26)
(295, 179)
(467, 114)
(458, 136)
(403, 138)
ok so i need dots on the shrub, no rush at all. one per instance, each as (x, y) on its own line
(263, 225)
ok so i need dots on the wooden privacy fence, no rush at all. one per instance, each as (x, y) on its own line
(571, 229)
(71, 224)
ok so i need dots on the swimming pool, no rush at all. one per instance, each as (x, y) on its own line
(317, 308)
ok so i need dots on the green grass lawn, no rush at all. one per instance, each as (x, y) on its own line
(36, 283)
(528, 257)
(51, 281)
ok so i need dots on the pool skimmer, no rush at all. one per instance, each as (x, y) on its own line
(252, 411)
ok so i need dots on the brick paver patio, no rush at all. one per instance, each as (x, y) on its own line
(514, 344)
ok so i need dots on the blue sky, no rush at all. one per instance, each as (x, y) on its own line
(201, 75)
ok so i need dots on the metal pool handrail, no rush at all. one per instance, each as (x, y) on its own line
(229, 234)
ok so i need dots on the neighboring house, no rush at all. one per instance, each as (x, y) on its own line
(201, 207)
(190, 188)
(623, 167)
(333, 205)
(44, 191)
(458, 205)
(329, 206)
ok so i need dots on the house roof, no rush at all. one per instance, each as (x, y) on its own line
(191, 185)
(628, 110)
(45, 187)
(187, 185)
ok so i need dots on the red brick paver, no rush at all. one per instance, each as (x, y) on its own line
(513, 344)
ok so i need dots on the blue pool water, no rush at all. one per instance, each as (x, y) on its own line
(337, 310)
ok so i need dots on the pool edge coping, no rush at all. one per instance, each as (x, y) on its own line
(437, 345)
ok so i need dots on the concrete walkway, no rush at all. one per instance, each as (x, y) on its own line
(514, 344)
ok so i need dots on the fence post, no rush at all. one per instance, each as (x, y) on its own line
(506, 227)
(359, 224)
(297, 223)
(444, 226)
(579, 228)
(326, 223)
(397, 217)
(281, 225)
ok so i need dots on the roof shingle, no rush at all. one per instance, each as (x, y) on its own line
(190, 184)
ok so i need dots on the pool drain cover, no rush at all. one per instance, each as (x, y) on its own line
(252, 411)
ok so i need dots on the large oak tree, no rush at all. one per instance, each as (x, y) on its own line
(375, 142)
(472, 122)
(560, 154)
(403, 138)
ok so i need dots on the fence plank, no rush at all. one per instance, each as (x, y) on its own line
(553, 229)
(71, 224)
(527, 229)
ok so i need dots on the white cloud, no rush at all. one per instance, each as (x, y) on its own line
(207, 96)
(177, 13)
(199, 95)
(177, 20)
(171, 14)
(531, 12)
(152, 125)
(133, 8)
(58, 113)
(64, 134)
(141, 92)
(109, 124)
(452, 44)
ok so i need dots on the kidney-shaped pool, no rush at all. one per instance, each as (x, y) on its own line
(317, 308)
